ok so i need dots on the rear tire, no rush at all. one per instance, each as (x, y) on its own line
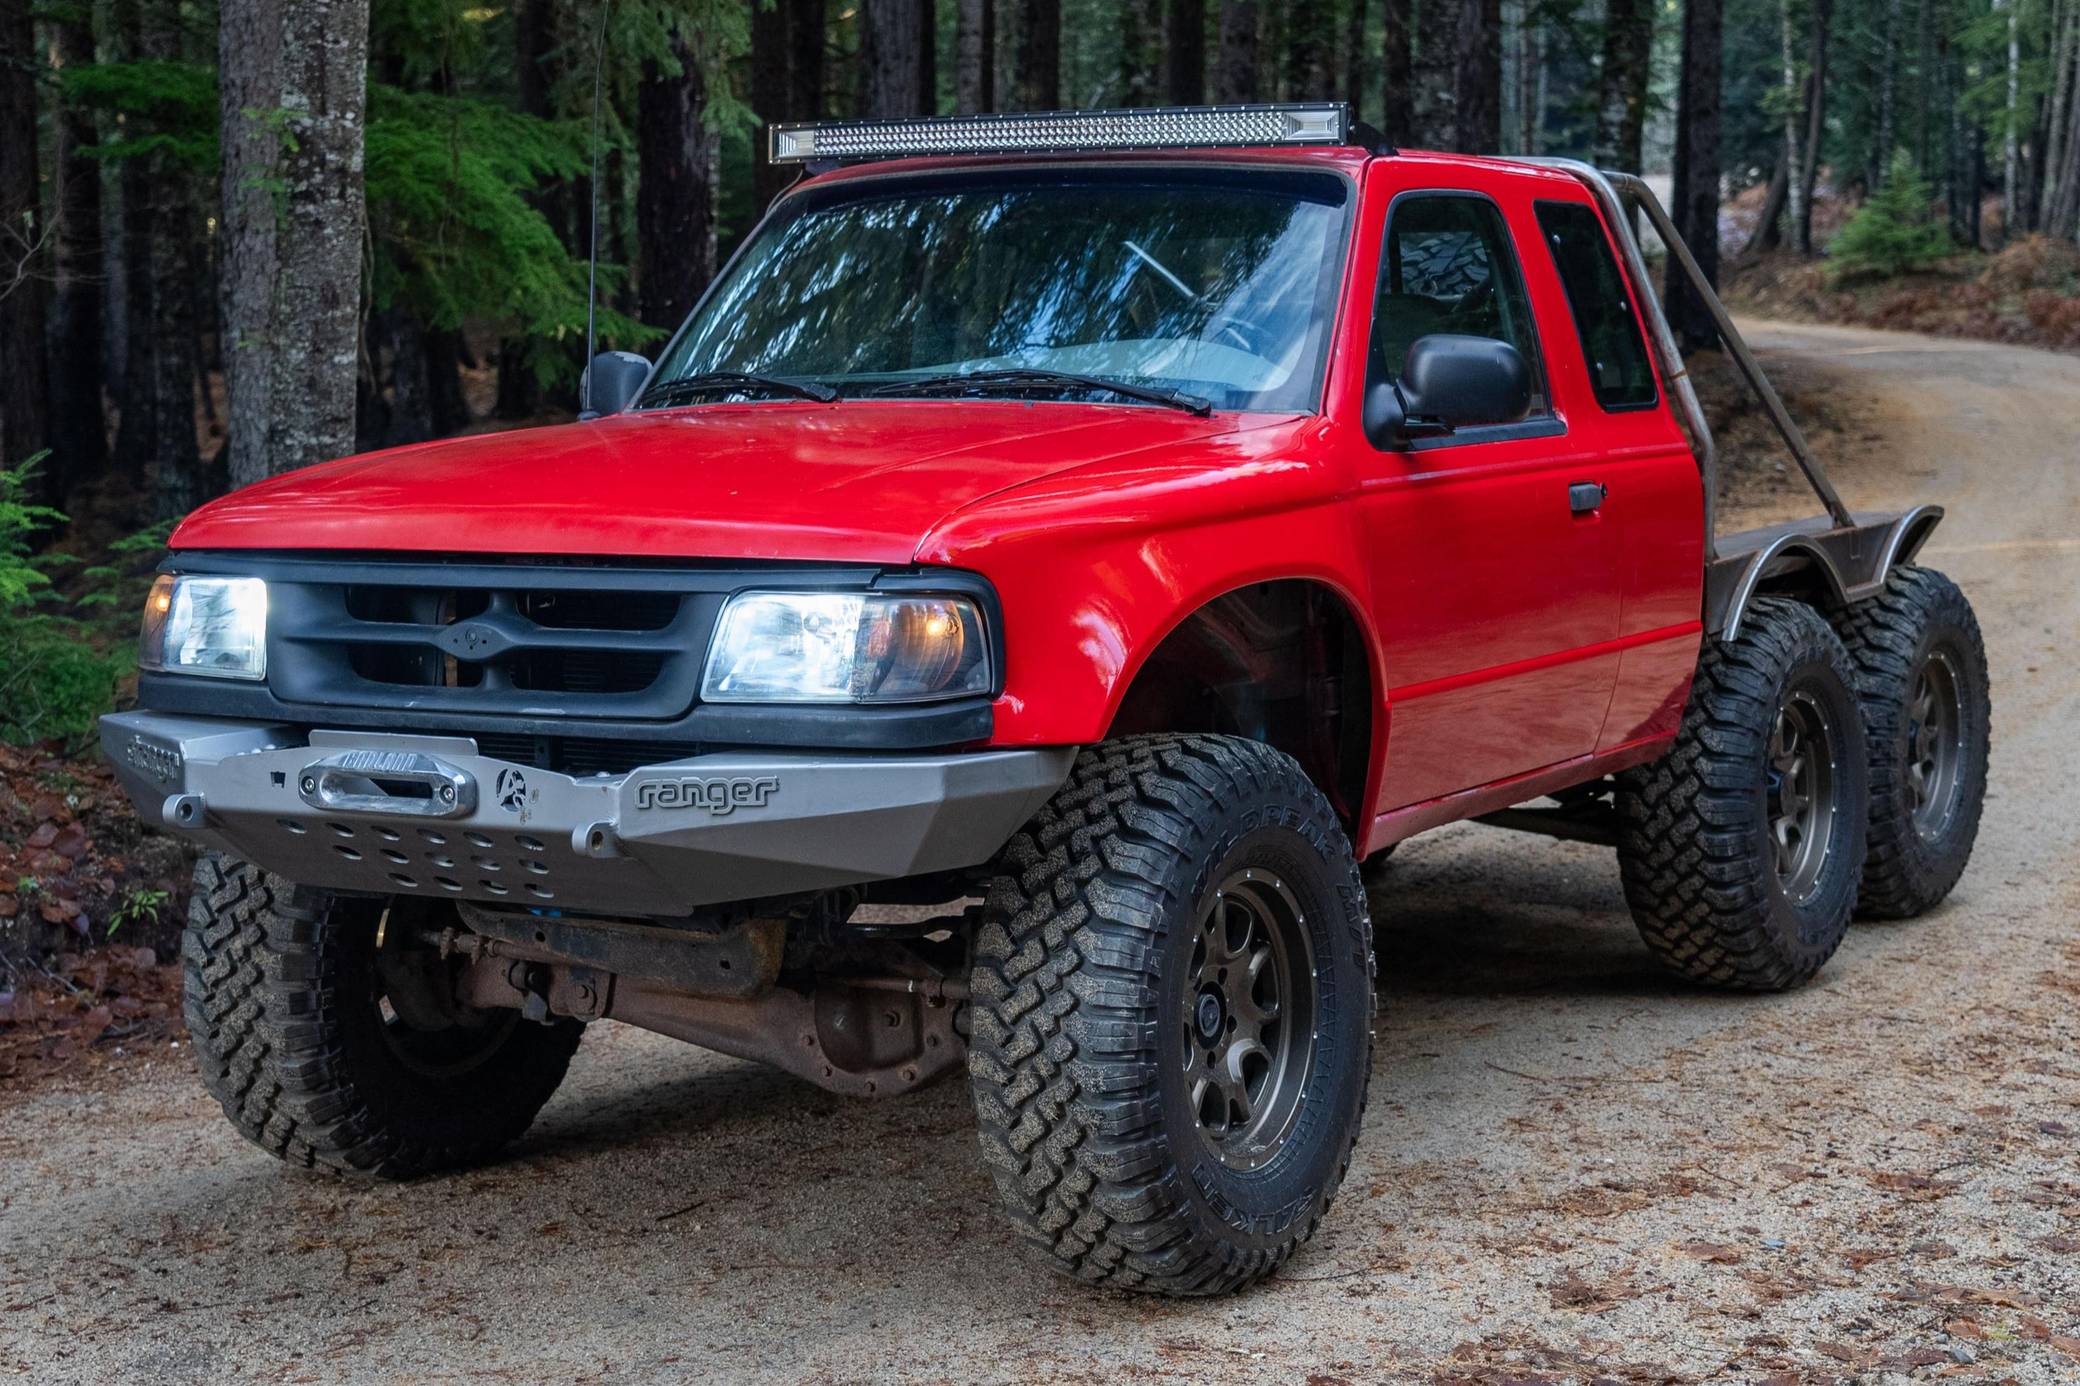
(296, 1038)
(1921, 677)
(1172, 1007)
(1741, 847)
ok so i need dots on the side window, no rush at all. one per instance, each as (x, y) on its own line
(1611, 343)
(1448, 267)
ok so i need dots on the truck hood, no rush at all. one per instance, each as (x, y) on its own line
(856, 481)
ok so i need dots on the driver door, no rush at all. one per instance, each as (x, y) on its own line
(1497, 593)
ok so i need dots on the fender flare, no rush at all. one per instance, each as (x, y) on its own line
(1852, 561)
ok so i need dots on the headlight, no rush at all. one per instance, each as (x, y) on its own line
(205, 625)
(846, 647)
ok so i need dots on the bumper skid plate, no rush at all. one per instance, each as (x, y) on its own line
(427, 815)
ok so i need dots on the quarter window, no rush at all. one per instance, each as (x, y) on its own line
(1448, 268)
(1619, 371)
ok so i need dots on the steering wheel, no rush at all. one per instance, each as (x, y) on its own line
(1246, 334)
(1476, 299)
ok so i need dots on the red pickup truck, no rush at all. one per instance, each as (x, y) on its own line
(1054, 555)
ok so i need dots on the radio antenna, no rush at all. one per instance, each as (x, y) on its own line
(599, 82)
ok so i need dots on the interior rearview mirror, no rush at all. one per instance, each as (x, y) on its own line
(611, 383)
(1447, 383)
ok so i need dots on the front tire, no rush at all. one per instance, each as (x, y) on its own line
(1921, 676)
(298, 1035)
(1740, 848)
(1172, 1002)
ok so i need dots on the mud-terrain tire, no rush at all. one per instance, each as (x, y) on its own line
(284, 1010)
(1740, 848)
(1921, 676)
(1102, 1003)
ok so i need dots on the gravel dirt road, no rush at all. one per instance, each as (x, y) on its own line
(1572, 1168)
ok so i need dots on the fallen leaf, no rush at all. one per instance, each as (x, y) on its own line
(1710, 1251)
(1917, 1188)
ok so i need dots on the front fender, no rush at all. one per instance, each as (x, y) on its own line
(1096, 566)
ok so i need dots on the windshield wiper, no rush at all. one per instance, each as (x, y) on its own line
(688, 387)
(1027, 378)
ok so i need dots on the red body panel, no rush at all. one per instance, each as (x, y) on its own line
(1518, 647)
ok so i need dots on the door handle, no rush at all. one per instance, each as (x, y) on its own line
(1586, 497)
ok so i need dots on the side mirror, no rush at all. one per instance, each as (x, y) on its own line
(1449, 382)
(611, 382)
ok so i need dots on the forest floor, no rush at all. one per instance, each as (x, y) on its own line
(1572, 1170)
(2026, 294)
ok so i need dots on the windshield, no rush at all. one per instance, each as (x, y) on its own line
(1216, 283)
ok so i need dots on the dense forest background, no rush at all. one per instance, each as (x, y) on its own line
(240, 236)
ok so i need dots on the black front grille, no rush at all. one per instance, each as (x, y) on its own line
(585, 642)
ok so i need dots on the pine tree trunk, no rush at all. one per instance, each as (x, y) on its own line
(1477, 78)
(79, 423)
(25, 265)
(891, 59)
(1628, 48)
(1397, 118)
(1531, 67)
(1768, 233)
(2063, 124)
(1695, 201)
(447, 406)
(975, 48)
(1310, 50)
(679, 154)
(1816, 124)
(1793, 163)
(156, 453)
(1184, 28)
(2010, 125)
(2055, 108)
(1355, 64)
(1140, 42)
(2062, 214)
(520, 393)
(294, 227)
(806, 30)
(1271, 50)
(1235, 75)
(1434, 78)
(771, 94)
(1888, 68)
(1038, 55)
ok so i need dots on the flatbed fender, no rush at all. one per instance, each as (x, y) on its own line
(1851, 561)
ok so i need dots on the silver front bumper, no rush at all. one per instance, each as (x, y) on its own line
(428, 815)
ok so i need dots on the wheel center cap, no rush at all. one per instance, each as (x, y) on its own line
(1210, 1016)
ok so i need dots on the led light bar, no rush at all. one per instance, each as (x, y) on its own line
(1045, 132)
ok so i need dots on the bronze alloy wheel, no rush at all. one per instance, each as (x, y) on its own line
(1742, 846)
(1921, 679)
(1935, 746)
(1803, 758)
(1248, 1018)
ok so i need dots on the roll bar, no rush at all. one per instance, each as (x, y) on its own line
(1620, 194)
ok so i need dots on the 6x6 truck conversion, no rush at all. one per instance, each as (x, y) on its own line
(1131, 520)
